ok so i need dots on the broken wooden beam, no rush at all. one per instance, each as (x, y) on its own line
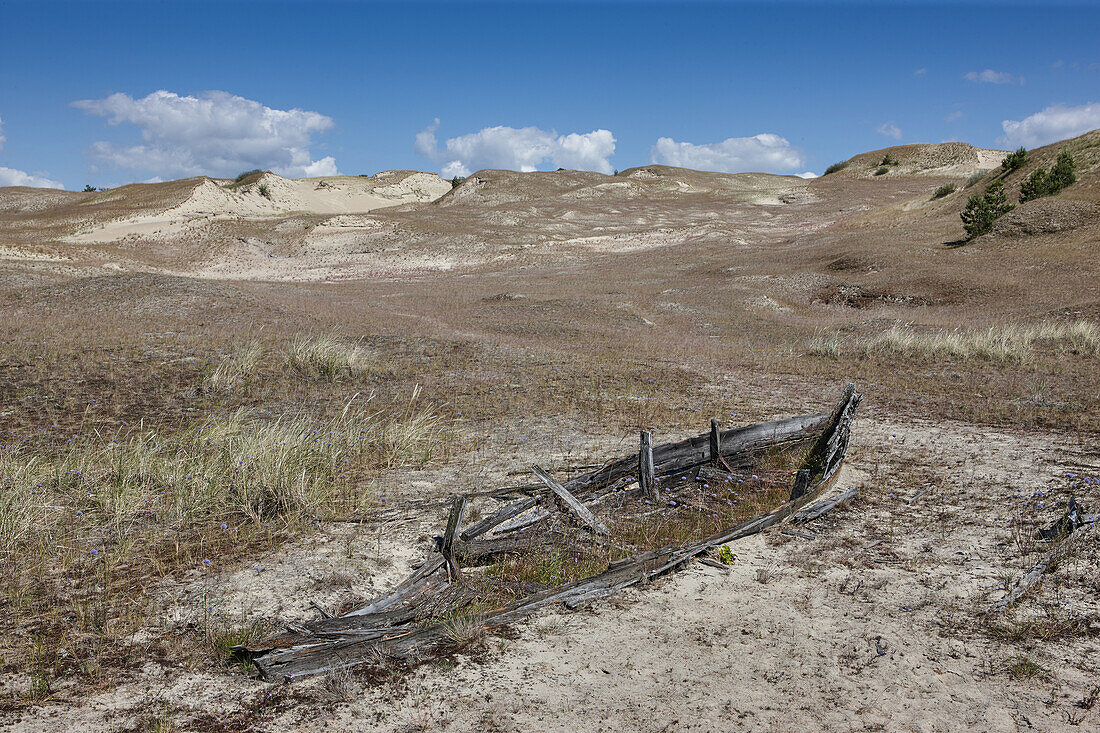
(579, 510)
(1033, 576)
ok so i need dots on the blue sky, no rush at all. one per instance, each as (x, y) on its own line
(312, 87)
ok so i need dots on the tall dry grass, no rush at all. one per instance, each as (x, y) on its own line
(1009, 343)
(238, 369)
(236, 466)
(328, 357)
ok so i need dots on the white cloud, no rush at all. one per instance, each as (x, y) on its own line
(520, 149)
(889, 129)
(214, 133)
(1052, 124)
(989, 76)
(955, 116)
(13, 177)
(920, 72)
(766, 153)
(806, 174)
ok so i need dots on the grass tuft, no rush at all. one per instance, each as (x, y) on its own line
(328, 357)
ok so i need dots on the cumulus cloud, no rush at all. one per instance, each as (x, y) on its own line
(14, 177)
(989, 76)
(1052, 124)
(766, 153)
(889, 129)
(806, 174)
(214, 133)
(520, 149)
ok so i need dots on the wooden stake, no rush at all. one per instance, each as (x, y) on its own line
(801, 484)
(715, 442)
(454, 519)
(647, 478)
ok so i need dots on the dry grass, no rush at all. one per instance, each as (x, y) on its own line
(327, 357)
(1011, 343)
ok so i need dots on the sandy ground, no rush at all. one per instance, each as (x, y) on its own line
(871, 624)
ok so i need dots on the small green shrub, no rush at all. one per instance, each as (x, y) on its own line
(1014, 161)
(945, 190)
(264, 191)
(1062, 174)
(889, 160)
(982, 211)
(883, 170)
(726, 556)
(89, 188)
(836, 167)
(1035, 186)
(457, 181)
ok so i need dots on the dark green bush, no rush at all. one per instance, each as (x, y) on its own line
(889, 160)
(836, 167)
(1062, 174)
(945, 190)
(89, 188)
(981, 211)
(264, 190)
(457, 181)
(1041, 183)
(1014, 161)
(883, 170)
(1035, 186)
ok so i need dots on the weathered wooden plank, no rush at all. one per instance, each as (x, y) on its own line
(579, 510)
(647, 479)
(500, 516)
(715, 443)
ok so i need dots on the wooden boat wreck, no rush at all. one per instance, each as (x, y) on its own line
(634, 519)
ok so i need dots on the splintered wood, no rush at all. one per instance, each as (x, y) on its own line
(635, 519)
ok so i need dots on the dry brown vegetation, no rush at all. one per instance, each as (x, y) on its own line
(219, 393)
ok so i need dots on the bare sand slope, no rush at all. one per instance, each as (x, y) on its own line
(269, 195)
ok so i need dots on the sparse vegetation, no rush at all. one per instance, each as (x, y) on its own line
(247, 174)
(889, 160)
(974, 178)
(945, 190)
(982, 211)
(236, 371)
(1014, 160)
(882, 170)
(89, 188)
(264, 190)
(835, 167)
